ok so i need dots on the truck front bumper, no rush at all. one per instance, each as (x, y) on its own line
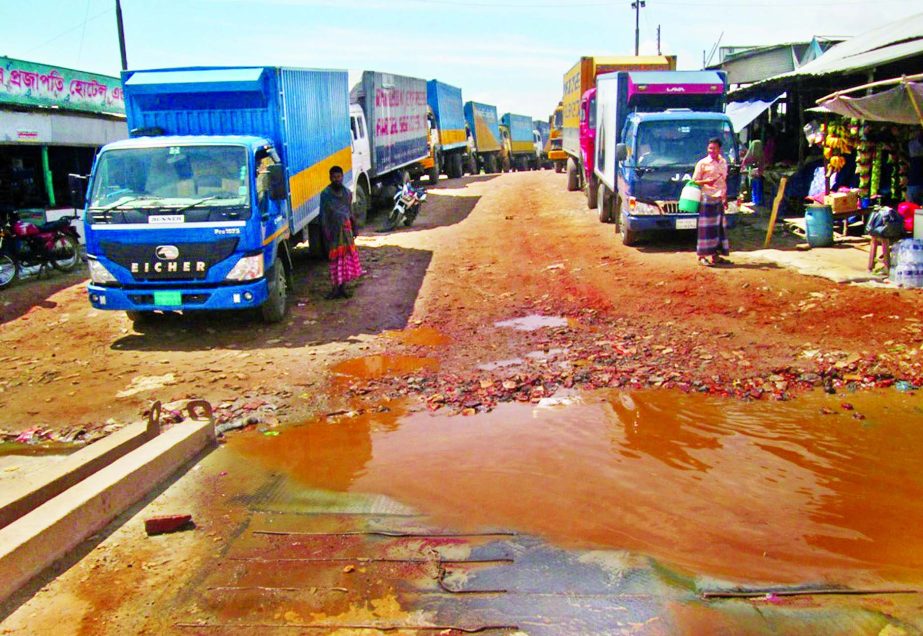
(192, 298)
(557, 155)
(670, 222)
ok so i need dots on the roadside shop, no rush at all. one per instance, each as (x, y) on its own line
(52, 121)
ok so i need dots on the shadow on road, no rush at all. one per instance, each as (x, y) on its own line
(461, 182)
(383, 299)
(439, 210)
(27, 293)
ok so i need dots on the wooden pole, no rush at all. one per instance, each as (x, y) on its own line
(775, 210)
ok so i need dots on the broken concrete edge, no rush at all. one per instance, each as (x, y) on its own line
(36, 540)
(31, 492)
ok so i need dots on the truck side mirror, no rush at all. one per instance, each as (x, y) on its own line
(277, 190)
(77, 187)
(621, 152)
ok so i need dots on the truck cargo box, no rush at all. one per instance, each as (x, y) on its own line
(304, 113)
(520, 127)
(582, 77)
(446, 102)
(483, 124)
(395, 110)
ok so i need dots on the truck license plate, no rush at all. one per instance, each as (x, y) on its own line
(168, 298)
(686, 224)
(166, 218)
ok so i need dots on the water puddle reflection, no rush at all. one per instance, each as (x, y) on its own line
(746, 491)
(533, 322)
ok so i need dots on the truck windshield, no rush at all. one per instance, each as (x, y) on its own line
(681, 142)
(558, 118)
(166, 177)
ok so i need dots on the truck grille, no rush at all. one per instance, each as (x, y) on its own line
(178, 261)
(669, 207)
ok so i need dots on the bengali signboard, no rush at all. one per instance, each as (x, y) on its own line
(28, 84)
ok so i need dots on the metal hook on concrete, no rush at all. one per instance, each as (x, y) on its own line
(153, 420)
(200, 409)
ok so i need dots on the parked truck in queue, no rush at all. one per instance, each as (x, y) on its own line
(452, 146)
(651, 129)
(556, 153)
(579, 129)
(484, 127)
(201, 207)
(517, 142)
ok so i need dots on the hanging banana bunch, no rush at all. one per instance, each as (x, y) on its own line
(864, 153)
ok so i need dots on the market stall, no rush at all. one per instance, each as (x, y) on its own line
(879, 135)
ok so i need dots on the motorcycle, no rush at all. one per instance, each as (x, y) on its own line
(407, 203)
(26, 245)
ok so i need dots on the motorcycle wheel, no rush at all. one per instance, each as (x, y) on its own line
(411, 216)
(65, 253)
(9, 271)
(394, 218)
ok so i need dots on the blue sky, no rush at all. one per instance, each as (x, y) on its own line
(511, 53)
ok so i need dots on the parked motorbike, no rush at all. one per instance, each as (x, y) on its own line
(407, 203)
(26, 245)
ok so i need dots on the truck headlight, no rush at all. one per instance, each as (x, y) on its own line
(98, 272)
(247, 268)
(639, 208)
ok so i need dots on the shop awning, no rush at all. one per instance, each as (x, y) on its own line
(902, 104)
(742, 113)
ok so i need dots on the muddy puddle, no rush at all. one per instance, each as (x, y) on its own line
(820, 489)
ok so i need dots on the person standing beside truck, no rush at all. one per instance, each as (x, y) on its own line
(338, 223)
(711, 175)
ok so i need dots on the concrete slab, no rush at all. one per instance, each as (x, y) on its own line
(38, 539)
(36, 488)
(842, 263)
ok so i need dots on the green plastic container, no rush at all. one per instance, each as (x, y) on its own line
(690, 198)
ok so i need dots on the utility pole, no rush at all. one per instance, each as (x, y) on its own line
(637, 5)
(658, 39)
(121, 29)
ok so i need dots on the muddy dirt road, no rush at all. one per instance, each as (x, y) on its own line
(486, 249)
(515, 425)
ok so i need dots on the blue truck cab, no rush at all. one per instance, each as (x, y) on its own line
(662, 150)
(200, 209)
(651, 129)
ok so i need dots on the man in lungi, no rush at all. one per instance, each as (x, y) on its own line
(711, 175)
(339, 230)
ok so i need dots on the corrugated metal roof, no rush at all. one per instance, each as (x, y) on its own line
(888, 43)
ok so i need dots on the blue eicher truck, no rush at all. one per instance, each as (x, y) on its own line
(651, 129)
(222, 177)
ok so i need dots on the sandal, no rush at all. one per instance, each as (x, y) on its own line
(704, 262)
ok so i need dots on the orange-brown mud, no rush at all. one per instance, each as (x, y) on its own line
(587, 431)
(775, 492)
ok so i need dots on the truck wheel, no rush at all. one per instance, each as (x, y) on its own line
(573, 180)
(361, 204)
(273, 310)
(604, 204)
(591, 192)
(455, 169)
(629, 238)
(472, 165)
